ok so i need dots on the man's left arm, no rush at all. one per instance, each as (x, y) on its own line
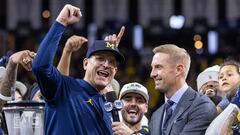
(200, 117)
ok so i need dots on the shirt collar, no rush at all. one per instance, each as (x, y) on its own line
(89, 88)
(178, 94)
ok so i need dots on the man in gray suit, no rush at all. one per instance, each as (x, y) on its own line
(185, 112)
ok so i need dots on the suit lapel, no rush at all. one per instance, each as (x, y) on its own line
(183, 104)
(158, 121)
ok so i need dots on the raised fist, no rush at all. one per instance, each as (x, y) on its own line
(69, 15)
(74, 43)
(24, 58)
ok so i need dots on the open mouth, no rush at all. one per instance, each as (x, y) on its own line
(158, 80)
(132, 111)
(209, 91)
(103, 73)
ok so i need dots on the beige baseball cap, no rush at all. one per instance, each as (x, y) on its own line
(209, 74)
(134, 88)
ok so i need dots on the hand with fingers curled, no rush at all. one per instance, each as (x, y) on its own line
(69, 15)
(74, 43)
(119, 128)
(115, 39)
(24, 58)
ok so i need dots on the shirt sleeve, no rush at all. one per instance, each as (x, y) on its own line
(224, 103)
(236, 98)
(47, 75)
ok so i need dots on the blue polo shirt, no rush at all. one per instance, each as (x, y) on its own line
(73, 106)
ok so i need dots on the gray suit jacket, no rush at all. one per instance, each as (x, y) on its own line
(192, 115)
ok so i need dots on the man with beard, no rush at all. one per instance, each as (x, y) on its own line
(185, 112)
(75, 106)
(135, 104)
(207, 84)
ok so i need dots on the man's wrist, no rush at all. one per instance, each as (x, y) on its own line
(62, 21)
(67, 51)
(11, 61)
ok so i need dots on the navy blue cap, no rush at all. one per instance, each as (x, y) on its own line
(102, 45)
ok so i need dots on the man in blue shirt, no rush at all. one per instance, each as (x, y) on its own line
(75, 106)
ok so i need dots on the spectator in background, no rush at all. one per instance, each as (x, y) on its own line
(229, 82)
(73, 44)
(135, 105)
(184, 111)
(207, 84)
(10, 89)
(9, 76)
(20, 88)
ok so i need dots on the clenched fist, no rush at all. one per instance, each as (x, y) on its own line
(69, 15)
(24, 58)
(74, 43)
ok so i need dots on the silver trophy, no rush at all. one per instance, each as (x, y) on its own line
(23, 118)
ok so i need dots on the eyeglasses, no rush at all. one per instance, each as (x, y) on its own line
(102, 59)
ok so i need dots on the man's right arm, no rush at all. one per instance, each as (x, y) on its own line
(47, 76)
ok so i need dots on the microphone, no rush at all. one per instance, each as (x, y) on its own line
(113, 105)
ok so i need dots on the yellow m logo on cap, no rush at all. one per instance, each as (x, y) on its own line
(108, 45)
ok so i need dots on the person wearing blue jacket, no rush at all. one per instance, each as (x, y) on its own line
(75, 106)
